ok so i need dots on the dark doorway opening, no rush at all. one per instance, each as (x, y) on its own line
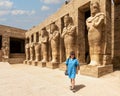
(37, 37)
(17, 45)
(0, 42)
(87, 54)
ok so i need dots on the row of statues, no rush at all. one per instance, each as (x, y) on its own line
(96, 38)
(40, 49)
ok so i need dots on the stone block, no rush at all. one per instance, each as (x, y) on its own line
(52, 65)
(41, 64)
(30, 62)
(35, 63)
(96, 71)
(62, 66)
(25, 62)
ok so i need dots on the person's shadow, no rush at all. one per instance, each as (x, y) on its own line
(78, 87)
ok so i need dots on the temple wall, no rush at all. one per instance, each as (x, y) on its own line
(116, 55)
(6, 33)
(80, 11)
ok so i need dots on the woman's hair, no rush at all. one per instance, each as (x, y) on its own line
(72, 53)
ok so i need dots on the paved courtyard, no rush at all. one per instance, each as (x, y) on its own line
(26, 80)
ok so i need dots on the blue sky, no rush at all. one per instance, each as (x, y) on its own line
(27, 13)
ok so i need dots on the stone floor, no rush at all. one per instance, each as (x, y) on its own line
(25, 80)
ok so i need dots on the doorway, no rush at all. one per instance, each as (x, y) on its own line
(0, 48)
(84, 13)
(17, 45)
(87, 54)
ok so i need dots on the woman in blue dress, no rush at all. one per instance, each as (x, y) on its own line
(72, 66)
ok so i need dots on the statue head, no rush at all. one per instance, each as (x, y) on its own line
(44, 32)
(95, 8)
(5, 44)
(67, 20)
(53, 27)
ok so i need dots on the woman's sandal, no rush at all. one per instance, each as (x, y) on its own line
(73, 90)
(70, 87)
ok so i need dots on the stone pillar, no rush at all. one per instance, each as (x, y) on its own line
(99, 39)
(5, 48)
(54, 46)
(44, 47)
(27, 53)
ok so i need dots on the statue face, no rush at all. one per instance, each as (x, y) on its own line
(94, 8)
(53, 27)
(42, 33)
(66, 20)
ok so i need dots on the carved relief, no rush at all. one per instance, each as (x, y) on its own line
(96, 34)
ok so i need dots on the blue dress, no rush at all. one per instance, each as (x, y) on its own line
(71, 67)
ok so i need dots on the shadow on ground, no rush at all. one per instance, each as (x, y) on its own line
(78, 87)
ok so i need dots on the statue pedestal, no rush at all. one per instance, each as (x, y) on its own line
(41, 64)
(25, 62)
(95, 71)
(52, 65)
(35, 63)
(62, 66)
(30, 62)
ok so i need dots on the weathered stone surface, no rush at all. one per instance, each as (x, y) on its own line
(52, 65)
(96, 35)
(94, 40)
(96, 71)
(6, 33)
(41, 64)
(116, 37)
(44, 45)
(54, 40)
(62, 66)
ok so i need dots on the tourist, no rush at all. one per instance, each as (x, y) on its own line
(72, 67)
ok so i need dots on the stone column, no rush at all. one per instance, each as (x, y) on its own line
(5, 48)
(54, 46)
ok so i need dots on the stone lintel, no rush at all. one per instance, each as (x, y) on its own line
(96, 71)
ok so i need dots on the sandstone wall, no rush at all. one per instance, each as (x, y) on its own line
(7, 32)
(116, 57)
(76, 9)
(12, 32)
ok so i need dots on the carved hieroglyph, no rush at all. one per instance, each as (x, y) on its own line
(44, 44)
(54, 41)
(27, 51)
(69, 35)
(96, 34)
